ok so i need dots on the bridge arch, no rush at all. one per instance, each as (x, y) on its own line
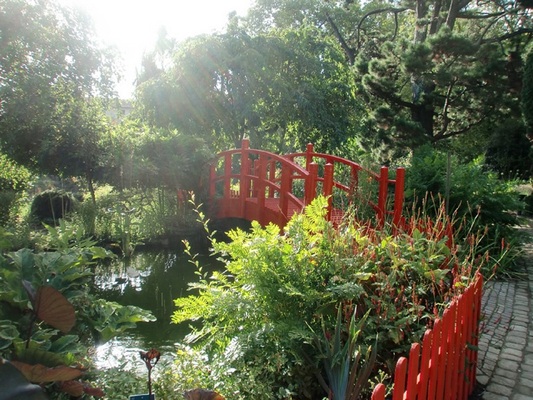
(259, 185)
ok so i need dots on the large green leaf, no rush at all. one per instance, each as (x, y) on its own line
(36, 355)
(8, 332)
(24, 261)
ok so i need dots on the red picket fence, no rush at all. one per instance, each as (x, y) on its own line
(443, 367)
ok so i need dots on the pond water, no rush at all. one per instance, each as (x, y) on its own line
(150, 280)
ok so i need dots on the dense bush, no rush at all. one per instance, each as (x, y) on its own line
(269, 321)
(475, 197)
(14, 179)
(509, 151)
(51, 205)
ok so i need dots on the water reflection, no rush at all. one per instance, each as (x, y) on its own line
(150, 280)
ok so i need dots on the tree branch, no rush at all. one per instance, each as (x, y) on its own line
(391, 98)
(510, 35)
(442, 136)
(350, 52)
(445, 117)
(394, 10)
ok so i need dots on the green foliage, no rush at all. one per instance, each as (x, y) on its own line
(509, 151)
(254, 315)
(341, 358)
(55, 287)
(67, 268)
(52, 70)
(172, 161)
(14, 179)
(426, 71)
(282, 90)
(134, 216)
(479, 201)
(12, 176)
(120, 382)
(110, 319)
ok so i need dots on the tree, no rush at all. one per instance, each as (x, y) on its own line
(429, 69)
(51, 73)
(282, 90)
(527, 95)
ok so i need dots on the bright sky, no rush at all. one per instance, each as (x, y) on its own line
(132, 25)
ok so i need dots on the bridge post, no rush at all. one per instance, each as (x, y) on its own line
(328, 187)
(309, 150)
(212, 186)
(261, 188)
(285, 188)
(227, 177)
(354, 182)
(398, 196)
(310, 183)
(244, 184)
(382, 194)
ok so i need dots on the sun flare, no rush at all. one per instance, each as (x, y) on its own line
(132, 27)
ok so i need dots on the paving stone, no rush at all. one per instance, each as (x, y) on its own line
(512, 357)
(505, 347)
(500, 380)
(519, 396)
(526, 382)
(508, 365)
(514, 346)
(494, 396)
(499, 389)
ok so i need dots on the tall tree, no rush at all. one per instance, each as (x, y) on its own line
(51, 73)
(429, 69)
(282, 90)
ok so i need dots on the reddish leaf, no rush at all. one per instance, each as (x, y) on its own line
(94, 391)
(54, 309)
(74, 388)
(40, 374)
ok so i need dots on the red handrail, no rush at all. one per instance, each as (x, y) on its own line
(256, 184)
(383, 181)
(443, 367)
(250, 179)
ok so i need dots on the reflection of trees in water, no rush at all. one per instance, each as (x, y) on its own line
(150, 280)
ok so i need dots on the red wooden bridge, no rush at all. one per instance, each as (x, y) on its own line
(259, 185)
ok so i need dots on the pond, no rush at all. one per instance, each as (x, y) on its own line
(150, 280)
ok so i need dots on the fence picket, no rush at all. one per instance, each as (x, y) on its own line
(400, 376)
(443, 367)
(423, 378)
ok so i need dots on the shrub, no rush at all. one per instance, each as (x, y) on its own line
(261, 316)
(51, 205)
(479, 202)
(14, 179)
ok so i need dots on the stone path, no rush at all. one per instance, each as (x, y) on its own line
(505, 358)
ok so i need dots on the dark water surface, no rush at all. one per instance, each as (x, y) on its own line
(150, 280)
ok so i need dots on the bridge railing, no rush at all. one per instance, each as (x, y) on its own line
(256, 184)
(344, 176)
(443, 366)
(259, 185)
